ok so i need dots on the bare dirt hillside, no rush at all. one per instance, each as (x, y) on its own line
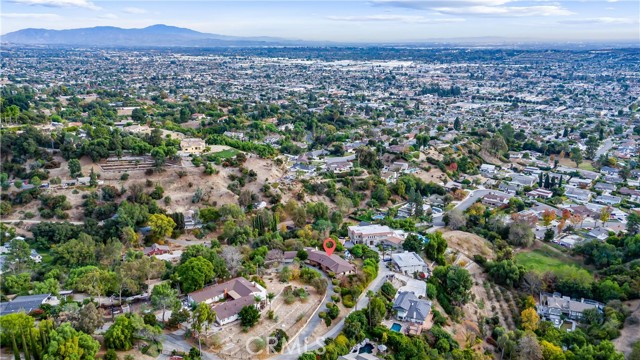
(468, 243)
(630, 333)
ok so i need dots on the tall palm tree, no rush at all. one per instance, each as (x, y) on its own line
(270, 297)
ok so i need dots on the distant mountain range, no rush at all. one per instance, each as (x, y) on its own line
(152, 36)
(172, 36)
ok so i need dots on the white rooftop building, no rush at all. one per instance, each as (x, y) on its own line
(409, 263)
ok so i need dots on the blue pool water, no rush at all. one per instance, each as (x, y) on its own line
(396, 327)
(366, 349)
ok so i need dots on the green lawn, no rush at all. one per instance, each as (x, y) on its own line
(225, 154)
(544, 259)
(587, 166)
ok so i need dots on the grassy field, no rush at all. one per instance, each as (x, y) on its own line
(545, 259)
(225, 154)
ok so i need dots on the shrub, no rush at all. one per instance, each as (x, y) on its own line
(111, 355)
(124, 177)
(347, 301)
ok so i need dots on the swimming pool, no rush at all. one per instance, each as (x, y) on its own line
(396, 327)
(366, 349)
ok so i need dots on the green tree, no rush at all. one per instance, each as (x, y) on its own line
(376, 312)
(93, 178)
(592, 143)
(161, 225)
(75, 170)
(436, 247)
(576, 156)
(633, 223)
(249, 316)
(89, 319)
(164, 297)
(201, 317)
(65, 343)
(120, 335)
(411, 243)
(194, 274)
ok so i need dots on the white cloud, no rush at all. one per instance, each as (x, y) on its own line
(547, 10)
(391, 17)
(29, 16)
(477, 7)
(602, 20)
(424, 5)
(134, 10)
(108, 16)
(60, 3)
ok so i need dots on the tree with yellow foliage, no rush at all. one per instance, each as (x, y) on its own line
(529, 318)
(551, 351)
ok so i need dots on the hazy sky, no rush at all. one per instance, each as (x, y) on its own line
(374, 20)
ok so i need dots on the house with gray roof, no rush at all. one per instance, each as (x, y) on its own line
(608, 199)
(602, 186)
(576, 194)
(555, 305)
(411, 309)
(24, 304)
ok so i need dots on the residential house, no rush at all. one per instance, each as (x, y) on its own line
(411, 309)
(508, 188)
(579, 182)
(540, 194)
(340, 167)
(520, 180)
(234, 134)
(333, 263)
(488, 170)
(608, 200)
(372, 235)
(24, 304)
(606, 170)
(553, 306)
(634, 195)
(605, 187)
(409, 263)
(156, 249)
(192, 146)
(495, 200)
(280, 256)
(599, 233)
(576, 194)
(236, 293)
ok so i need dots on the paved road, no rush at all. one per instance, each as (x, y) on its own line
(604, 148)
(315, 321)
(296, 347)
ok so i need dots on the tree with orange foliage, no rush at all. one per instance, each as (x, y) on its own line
(561, 226)
(548, 216)
(566, 214)
(577, 219)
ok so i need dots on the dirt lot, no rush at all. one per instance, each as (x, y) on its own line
(434, 175)
(291, 318)
(631, 332)
(468, 243)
